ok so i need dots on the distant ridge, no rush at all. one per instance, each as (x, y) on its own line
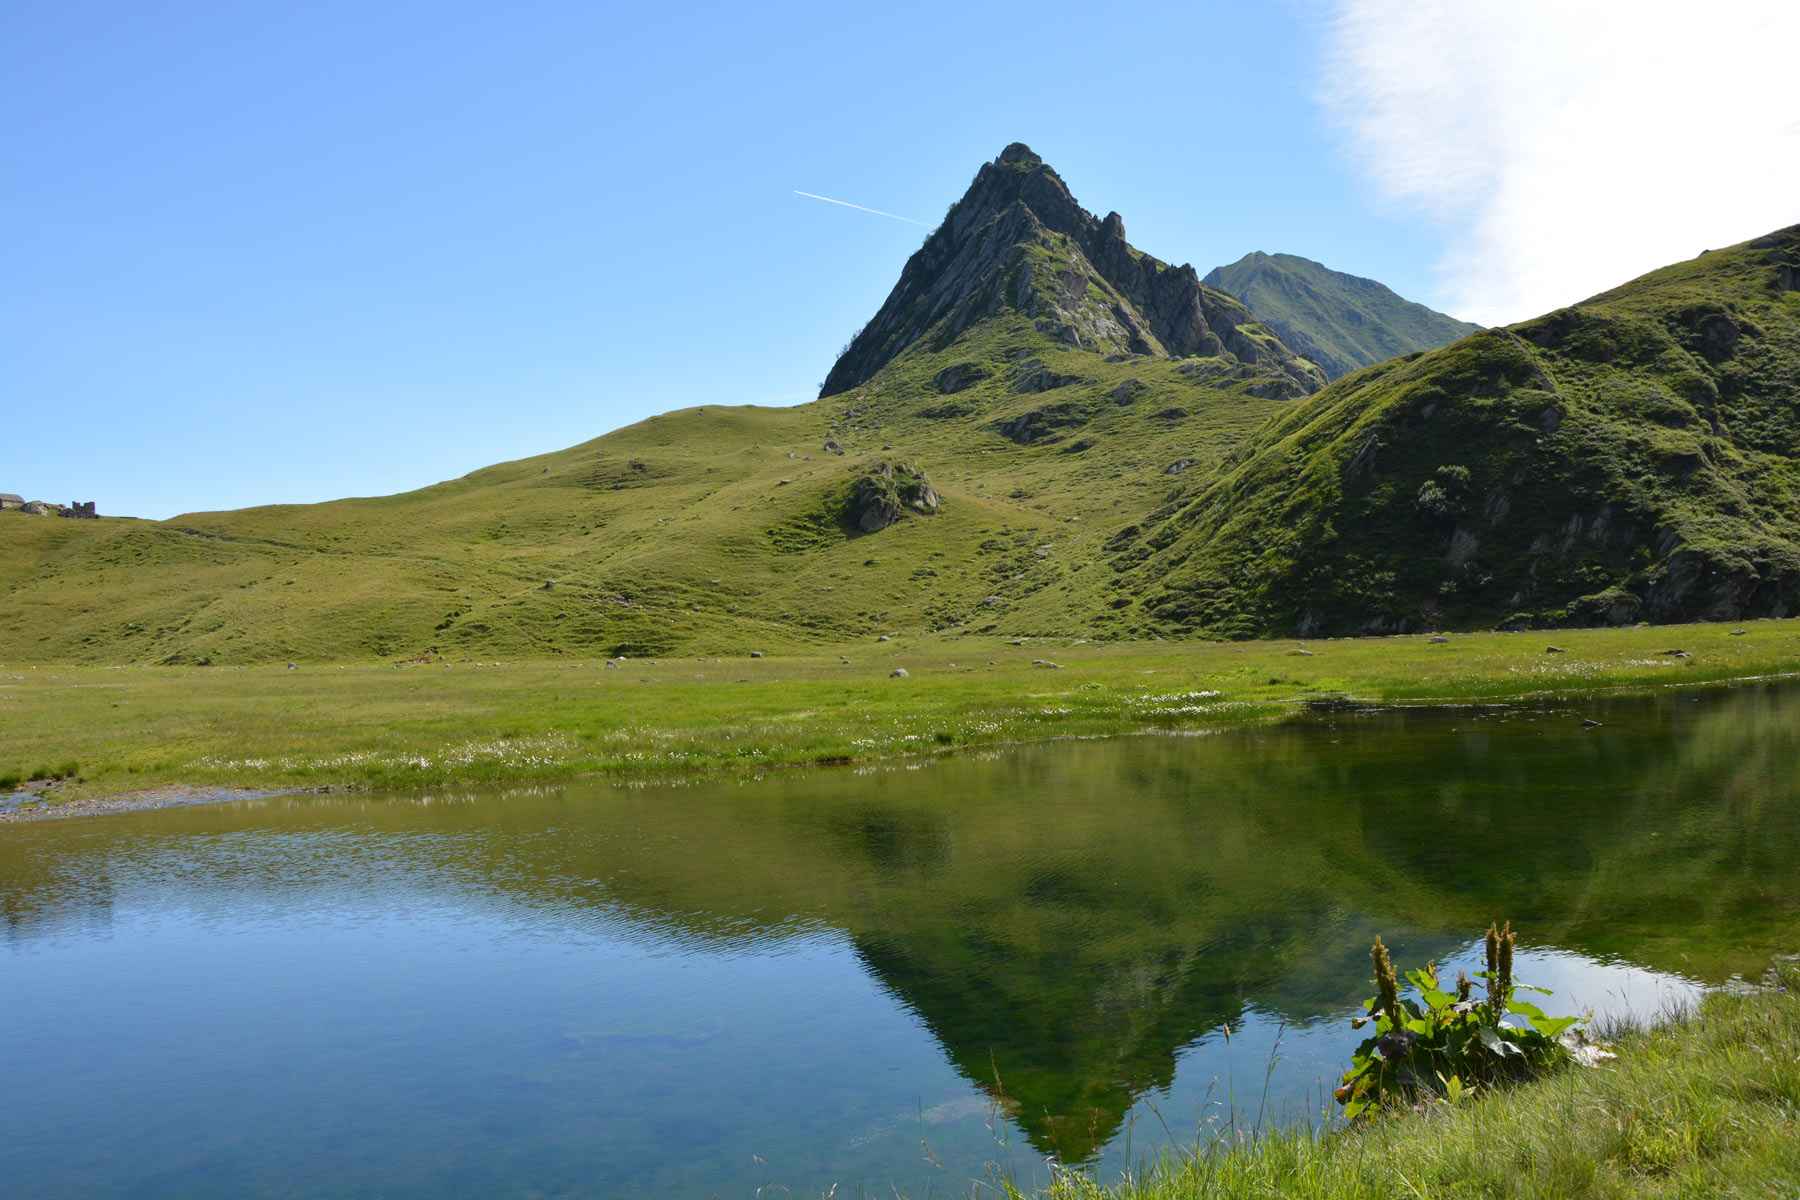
(1342, 322)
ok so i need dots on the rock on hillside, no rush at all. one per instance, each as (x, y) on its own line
(1342, 322)
(1018, 240)
(1633, 457)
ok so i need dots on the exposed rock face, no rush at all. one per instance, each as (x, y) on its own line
(1018, 240)
(1036, 377)
(1041, 424)
(955, 378)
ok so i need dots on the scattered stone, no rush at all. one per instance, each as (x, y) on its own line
(1437, 641)
(1590, 723)
(756, 654)
(1044, 662)
(884, 638)
(1739, 632)
(293, 667)
(1677, 654)
(898, 673)
(1176, 468)
(1554, 650)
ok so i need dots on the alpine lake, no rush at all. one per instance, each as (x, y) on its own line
(910, 977)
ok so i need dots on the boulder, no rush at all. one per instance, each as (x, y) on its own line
(879, 497)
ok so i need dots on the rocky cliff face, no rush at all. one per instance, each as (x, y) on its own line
(1018, 240)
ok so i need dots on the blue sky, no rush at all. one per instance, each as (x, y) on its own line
(281, 252)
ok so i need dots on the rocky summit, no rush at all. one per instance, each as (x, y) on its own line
(1017, 240)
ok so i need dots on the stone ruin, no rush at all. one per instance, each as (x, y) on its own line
(78, 509)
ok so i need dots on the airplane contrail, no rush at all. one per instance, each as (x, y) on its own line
(847, 204)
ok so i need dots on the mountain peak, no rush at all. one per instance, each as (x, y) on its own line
(1342, 322)
(1017, 240)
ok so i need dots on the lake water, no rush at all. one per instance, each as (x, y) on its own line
(901, 977)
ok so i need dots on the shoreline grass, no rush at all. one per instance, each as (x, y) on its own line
(438, 723)
(1705, 1104)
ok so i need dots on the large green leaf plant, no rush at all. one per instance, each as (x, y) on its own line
(1446, 1045)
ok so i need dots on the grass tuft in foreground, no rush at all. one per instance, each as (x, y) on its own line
(1706, 1105)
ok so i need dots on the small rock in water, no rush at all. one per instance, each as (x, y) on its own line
(898, 673)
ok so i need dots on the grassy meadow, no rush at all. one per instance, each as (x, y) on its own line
(444, 721)
(1706, 1106)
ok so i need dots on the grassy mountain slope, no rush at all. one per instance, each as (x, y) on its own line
(1044, 431)
(721, 529)
(1342, 322)
(1633, 456)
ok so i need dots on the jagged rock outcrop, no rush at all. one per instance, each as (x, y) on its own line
(1018, 240)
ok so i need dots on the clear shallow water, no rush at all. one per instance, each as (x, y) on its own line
(899, 976)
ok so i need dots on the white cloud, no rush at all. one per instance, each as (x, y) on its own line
(1569, 145)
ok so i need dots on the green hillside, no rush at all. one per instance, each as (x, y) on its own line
(1632, 457)
(1342, 322)
(1044, 431)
